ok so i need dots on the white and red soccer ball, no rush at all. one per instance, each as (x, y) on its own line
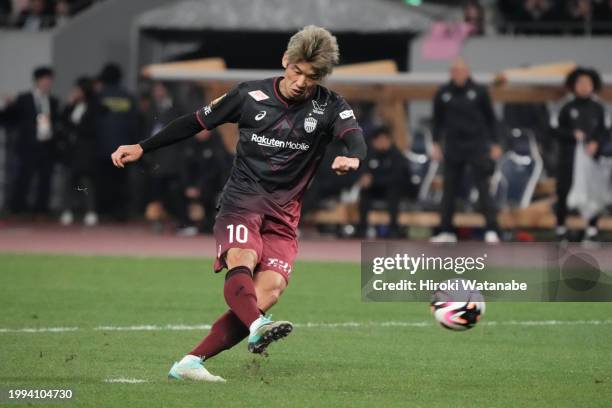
(457, 311)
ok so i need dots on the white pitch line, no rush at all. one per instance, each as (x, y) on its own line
(309, 325)
(149, 327)
(40, 330)
(125, 380)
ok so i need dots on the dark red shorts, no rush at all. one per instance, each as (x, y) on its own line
(273, 239)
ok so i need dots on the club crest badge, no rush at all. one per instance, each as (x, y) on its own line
(310, 124)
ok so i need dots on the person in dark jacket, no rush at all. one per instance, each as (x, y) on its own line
(34, 116)
(117, 125)
(582, 118)
(207, 166)
(37, 16)
(463, 118)
(385, 177)
(79, 127)
(164, 166)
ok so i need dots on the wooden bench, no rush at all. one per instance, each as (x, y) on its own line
(537, 216)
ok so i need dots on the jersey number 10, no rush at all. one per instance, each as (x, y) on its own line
(240, 233)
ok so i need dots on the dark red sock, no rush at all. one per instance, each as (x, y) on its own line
(239, 292)
(224, 334)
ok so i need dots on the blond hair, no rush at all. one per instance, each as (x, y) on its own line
(314, 45)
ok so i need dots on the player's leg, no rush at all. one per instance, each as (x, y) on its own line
(271, 278)
(228, 330)
(269, 286)
(239, 287)
(238, 249)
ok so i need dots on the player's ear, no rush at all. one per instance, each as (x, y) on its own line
(285, 61)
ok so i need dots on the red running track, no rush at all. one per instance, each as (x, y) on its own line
(139, 240)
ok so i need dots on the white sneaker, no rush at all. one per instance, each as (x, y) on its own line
(191, 368)
(491, 237)
(90, 219)
(590, 237)
(444, 238)
(66, 218)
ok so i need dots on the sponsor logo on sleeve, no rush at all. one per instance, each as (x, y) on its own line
(347, 114)
(208, 108)
(258, 95)
(280, 264)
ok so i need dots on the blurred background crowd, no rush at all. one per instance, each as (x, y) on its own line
(487, 16)
(57, 146)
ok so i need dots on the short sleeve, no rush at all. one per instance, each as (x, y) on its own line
(344, 120)
(224, 109)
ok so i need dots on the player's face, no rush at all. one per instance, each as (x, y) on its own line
(300, 80)
(584, 86)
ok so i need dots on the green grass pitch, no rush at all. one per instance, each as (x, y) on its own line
(367, 364)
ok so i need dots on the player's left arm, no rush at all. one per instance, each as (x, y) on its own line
(346, 128)
(224, 109)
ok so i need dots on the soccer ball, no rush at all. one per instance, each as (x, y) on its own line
(454, 315)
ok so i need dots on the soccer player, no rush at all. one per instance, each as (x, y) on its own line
(285, 124)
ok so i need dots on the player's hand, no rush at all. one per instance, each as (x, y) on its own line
(126, 154)
(496, 152)
(436, 152)
(591, 148)
(343, 165)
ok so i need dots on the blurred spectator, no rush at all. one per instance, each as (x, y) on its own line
(117, 125)
(208, 164)
(603, 10)
(6, 9)
(463, 118)
(537, 11)
(535, 117)
(602, 16)
(580, 13)
(385, 176)
(326, 185)
(582, 120)
(36, 16)
(79, 122)
(580, 10)
(35, 116)
(62, 12)
(164, 165)
(532, 16)
(473, 14)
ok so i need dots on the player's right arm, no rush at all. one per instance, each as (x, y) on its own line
(224, 109)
